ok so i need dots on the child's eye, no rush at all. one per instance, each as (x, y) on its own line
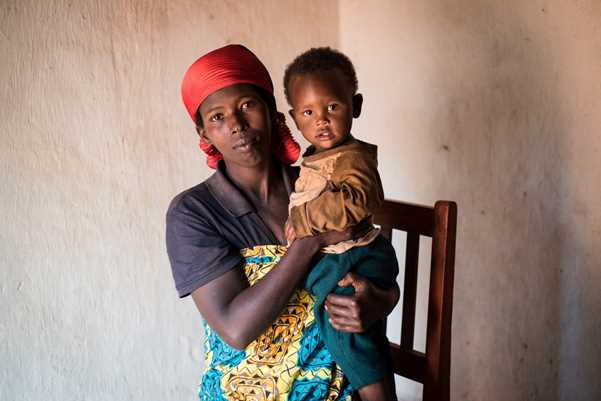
(332, 107)
(307, 113)
(216, 117)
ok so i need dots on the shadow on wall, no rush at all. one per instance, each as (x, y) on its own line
(501, 125)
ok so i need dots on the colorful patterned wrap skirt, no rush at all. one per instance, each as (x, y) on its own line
(288, 362)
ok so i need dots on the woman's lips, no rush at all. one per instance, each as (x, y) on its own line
(246, 143)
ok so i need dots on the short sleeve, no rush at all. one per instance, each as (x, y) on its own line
(197, 252)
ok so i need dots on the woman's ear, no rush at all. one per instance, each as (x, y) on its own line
(357, 104)
(293, 116)
(202, 134)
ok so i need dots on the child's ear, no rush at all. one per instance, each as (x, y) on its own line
(291, 113)
(357, 104)
(203, 134)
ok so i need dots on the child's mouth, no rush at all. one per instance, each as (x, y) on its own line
(324, 135)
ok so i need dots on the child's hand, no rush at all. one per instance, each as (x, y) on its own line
(289, 232)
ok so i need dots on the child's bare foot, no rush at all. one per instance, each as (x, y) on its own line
(378, 391)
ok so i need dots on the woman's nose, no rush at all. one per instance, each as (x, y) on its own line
(237, 123)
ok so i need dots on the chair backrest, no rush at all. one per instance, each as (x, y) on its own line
(432, 369)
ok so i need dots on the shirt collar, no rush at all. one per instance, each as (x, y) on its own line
(230, 197)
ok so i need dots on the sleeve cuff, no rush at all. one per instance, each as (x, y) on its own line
(189, 287)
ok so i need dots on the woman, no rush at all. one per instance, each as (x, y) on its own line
(225, 242)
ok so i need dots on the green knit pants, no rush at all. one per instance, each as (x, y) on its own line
(363, 357)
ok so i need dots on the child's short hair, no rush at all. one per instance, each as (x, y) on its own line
(319, 59)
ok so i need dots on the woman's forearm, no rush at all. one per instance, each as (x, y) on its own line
(255, 308)
(240, 313)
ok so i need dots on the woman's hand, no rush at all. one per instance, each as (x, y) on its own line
(289, 232)
(334, 237)
(355, 313)
(354, 232)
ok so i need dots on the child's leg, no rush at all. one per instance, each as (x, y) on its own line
(363, 357)
(379, 391)
(376, 392)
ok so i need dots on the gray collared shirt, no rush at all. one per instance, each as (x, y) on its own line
(208, 225)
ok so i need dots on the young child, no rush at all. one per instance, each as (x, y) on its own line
(338, 187)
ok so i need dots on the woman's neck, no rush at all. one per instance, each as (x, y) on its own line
(259, 181)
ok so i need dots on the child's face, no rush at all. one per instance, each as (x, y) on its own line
(323, 107)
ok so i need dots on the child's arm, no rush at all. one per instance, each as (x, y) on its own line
(356, 190)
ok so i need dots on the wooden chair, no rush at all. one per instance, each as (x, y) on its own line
(432, 369)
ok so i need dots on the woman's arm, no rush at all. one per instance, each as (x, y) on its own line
(239, 313)
(355, 313)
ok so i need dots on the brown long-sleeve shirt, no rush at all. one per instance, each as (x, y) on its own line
(336, 189)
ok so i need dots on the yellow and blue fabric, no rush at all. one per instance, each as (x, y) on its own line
(288, 362)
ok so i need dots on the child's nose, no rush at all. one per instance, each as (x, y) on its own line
(322, 117)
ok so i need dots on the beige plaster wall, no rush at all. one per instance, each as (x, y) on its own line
(493, 104)
(94, 143)
(497, 105)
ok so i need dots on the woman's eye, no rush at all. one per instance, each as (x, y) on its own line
(216, 117)
(332, 107)
(247, 105)
(307, 113)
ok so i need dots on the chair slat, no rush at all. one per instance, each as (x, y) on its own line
(440, 303)
(410, 291)
(410, 364)
(386, 232)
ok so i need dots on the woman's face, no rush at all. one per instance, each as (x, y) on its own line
(236, 120)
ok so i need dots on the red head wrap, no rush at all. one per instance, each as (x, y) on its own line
(223, 67)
